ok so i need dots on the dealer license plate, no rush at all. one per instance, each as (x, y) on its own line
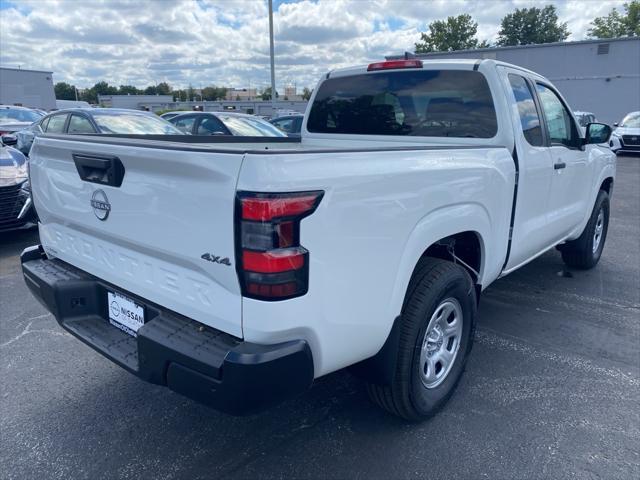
(124, 313)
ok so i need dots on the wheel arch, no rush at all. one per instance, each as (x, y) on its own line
(467, 226)
(607, 185)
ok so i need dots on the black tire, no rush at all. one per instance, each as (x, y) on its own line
(580, 253)
(433, 282)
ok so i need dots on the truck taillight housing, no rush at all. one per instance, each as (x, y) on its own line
(271, 263)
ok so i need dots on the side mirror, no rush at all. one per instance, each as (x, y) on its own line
(615, 124)
(598, 133)
(9, 139)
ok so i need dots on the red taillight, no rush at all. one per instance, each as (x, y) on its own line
(264, 209)
(273, 261)
(272, 264)
(394, 64)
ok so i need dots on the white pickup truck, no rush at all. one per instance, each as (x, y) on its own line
(238, 270)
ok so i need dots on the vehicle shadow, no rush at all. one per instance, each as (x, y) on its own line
(14, 241)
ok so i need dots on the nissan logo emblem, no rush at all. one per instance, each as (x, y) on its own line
(100, 204)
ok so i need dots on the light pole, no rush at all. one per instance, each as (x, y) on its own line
(273, 69)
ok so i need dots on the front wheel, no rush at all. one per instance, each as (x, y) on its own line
(436, 334)
(585, 251)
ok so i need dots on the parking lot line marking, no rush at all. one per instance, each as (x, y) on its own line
(27, 330)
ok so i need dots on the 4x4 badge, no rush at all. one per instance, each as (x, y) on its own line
(216, 259)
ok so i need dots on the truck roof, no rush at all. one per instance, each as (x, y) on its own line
(435, 64)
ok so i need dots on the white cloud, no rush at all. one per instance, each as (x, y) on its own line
(225, 42)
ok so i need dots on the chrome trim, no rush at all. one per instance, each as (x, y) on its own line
(25, 208)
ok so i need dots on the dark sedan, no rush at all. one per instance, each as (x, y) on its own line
(95, 120)
(225, 123)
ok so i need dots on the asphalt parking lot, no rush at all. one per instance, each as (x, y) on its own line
(552, 390)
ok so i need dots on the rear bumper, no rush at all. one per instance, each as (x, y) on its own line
(199, 362)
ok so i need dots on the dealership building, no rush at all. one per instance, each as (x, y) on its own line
(27, 88)
(598, 76)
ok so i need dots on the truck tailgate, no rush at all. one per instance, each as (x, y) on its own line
(162, 234)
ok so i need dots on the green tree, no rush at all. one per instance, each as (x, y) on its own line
(101, 88)
(163, 88)
(214, 93)
(618, 25)
(266, 94)
(454, 33)
(64, 91)
(532, 25)
(128, 90)
(88, 95)
(306, 93)
(151, 90)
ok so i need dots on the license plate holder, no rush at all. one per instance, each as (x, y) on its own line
(125, 313)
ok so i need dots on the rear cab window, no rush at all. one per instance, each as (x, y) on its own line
(430, 103)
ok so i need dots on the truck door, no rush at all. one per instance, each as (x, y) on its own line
(570, 185)
(530, 235)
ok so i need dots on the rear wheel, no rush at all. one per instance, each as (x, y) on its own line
(585, 251)
(436, 334)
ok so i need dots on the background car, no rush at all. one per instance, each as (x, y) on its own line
(225, 123)
(170, 115)
(16, 210)
(290, 124)
(13, 119)
(584, 119)
(97, 121)
(626, 137)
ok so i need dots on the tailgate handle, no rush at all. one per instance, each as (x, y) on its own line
(99, 169)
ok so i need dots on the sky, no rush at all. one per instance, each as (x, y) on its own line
(226, 42)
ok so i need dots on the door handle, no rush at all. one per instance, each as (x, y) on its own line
(559, 165)
(99, 169)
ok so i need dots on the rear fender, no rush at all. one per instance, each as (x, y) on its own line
(437, 225)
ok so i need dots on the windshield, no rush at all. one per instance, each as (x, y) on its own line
(249, 126)
(129, 123)
(631, 121)
(430, 103)
(10, 115)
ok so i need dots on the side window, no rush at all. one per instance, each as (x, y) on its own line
(56, 123)
(286, 125)
(43, 124)
(529, 117)
(211, 126)
(559, 122)
(80, 124)
(185, 123)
